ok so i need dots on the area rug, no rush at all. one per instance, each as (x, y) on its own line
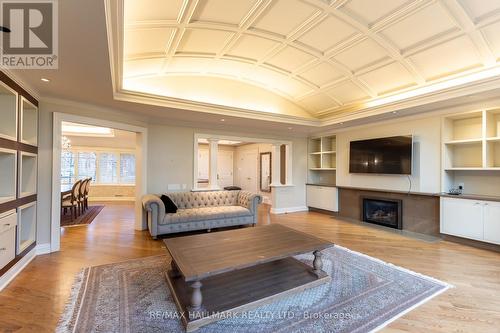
(364, 295)
(83, 219)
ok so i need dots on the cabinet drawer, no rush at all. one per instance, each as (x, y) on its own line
(7, 237)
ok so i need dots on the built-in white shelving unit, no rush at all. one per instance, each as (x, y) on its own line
(26, 226)
(29, 122)
(322, 159)
(471, 151)
(8, 167)
(27, 174)
(8, 114)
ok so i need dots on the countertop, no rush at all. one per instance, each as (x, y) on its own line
(324, 185)
(442, 194)
(472, 197)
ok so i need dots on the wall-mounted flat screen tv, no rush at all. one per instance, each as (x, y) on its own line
(391, 155)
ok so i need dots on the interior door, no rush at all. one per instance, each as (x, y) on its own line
(202, 167)
(247, 170)
(225, 168)
(492, 222)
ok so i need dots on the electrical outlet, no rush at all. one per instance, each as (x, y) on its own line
(461, 186)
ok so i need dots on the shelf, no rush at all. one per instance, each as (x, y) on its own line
(8, 166)
(323, 169)
(492, 123)
(328, 161)
(8, 116)
(314, 161)
(464, 142)
(493, 154)
(29, 123)
(493, 139)
(316, 153)
(27, 174)
(464, 126)
(315, 145)
(328, 143)
(329, 152)
(26, 226)
(464, 155)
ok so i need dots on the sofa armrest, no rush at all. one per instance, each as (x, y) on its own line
(156, 209)
(249, 200)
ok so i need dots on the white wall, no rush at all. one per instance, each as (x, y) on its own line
(426, 155)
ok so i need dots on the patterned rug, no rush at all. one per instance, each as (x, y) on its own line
(364, 295)
(83, 219)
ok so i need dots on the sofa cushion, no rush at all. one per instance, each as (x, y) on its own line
(206, 213)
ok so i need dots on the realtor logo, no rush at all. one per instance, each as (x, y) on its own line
(32, 42)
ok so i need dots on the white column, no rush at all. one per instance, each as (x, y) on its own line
(276, 164)
(213, 149)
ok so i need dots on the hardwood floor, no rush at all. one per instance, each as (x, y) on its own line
(34, 301)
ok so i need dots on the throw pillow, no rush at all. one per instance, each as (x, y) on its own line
(170, 207)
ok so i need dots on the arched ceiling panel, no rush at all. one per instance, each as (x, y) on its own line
(320, 56)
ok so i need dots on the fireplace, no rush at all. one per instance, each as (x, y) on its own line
(386, 212)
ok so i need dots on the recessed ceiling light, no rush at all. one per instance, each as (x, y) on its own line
(45, 80)
(394, 112)
(341, 123)
(223, 119)
(290, 128)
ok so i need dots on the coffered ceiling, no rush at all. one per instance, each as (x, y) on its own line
(309, 59)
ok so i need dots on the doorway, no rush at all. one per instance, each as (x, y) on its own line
(140, 153)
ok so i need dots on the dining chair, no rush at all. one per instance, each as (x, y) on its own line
(81, 196)
(71, 201)
(86, 193)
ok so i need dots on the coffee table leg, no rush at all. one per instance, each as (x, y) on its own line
(196, 298)
(318, 263)
(175, 269)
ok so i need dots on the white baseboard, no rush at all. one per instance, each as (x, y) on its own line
(97, 199)
(17, 268)
(289, 210)
(42, 249)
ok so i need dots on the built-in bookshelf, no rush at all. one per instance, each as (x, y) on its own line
(9, 115)
(322, 159)
(471, 151)
(29, 123)
(18, 176)
(26, 226)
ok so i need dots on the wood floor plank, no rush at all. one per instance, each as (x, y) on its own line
(34, 301)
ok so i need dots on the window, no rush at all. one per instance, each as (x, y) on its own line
(127, 168)
(103, 167)
(87, 165)
(108, 168)
(68, 159)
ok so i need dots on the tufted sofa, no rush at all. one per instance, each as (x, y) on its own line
(201, 210)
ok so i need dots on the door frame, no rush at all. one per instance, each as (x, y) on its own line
(141, 169)
(244, 139)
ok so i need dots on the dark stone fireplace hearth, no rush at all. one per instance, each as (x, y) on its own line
(382, 211)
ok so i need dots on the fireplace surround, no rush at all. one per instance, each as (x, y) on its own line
(382, 211)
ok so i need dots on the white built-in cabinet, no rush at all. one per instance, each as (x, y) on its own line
(323, 197)
(474, 219)
(8, 221)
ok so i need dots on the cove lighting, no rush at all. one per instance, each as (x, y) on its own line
(486, 74)
(86, 130)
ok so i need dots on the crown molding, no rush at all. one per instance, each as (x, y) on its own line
(177, 103)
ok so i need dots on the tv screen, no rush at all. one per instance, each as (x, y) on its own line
(390, 155)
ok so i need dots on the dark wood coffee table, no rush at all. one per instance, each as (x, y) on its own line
(216, 275)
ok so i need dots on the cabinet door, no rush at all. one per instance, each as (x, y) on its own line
(313, 196)
(492, 222)
(322, 197)
(463, 218)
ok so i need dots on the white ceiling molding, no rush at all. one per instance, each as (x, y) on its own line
(324, 60)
